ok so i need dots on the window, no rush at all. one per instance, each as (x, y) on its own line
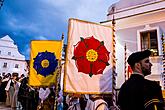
(9, 53)
(16, 65)
(0, 51)
(149, 41)
(5, 65)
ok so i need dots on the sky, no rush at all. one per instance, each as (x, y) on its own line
(26, 20)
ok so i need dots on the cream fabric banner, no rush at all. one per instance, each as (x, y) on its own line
(88, 58)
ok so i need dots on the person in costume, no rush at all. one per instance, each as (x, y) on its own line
(138, 93)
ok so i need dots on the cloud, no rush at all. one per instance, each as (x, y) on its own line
(26, 51)
(83, 9)
(23, 20)
(41, 38)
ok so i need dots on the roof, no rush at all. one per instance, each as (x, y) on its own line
(8, 45)
(125, 4)
(7, 38)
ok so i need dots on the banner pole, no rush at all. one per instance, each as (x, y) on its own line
(163, 51)
(114, 74)
(125, 62)
(58, 77)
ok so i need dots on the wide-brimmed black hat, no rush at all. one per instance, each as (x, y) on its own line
(138, 56)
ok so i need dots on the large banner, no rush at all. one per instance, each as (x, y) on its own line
(44, 62)
(88, 68)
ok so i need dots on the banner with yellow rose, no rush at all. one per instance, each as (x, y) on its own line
(88, 58)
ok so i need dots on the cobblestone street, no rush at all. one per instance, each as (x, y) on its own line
(3, 107)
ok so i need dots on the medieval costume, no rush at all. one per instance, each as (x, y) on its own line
(138, 93)
(96, 102)
(15, 103)
(43, 95)
(73, 102)
(27, 96)
(2, 90)
(10, 92)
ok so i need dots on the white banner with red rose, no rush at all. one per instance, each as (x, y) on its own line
(88, 58)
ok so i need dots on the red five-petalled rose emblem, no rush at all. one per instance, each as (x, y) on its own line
(91, 56)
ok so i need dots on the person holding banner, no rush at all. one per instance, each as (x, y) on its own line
(73, 101)
(96, 102)
(43, 95)
(138, 93)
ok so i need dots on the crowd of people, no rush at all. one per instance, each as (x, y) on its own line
(14, 92)
(17, 94)
(137, 93)
(86, 102)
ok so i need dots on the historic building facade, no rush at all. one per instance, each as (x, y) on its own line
(140, 25)
(11, 61)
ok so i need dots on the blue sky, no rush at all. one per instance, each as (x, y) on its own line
(26, 20)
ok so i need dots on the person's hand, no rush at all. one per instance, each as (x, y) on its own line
(60, 100)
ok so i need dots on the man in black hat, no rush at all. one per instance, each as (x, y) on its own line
(138, 93)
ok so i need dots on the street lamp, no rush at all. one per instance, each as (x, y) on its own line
(1, 3)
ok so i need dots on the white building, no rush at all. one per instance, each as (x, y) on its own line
(140, 24)
(11, 61)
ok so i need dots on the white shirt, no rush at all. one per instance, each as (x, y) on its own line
(8, 85)
(98, 104)
(43, 94)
